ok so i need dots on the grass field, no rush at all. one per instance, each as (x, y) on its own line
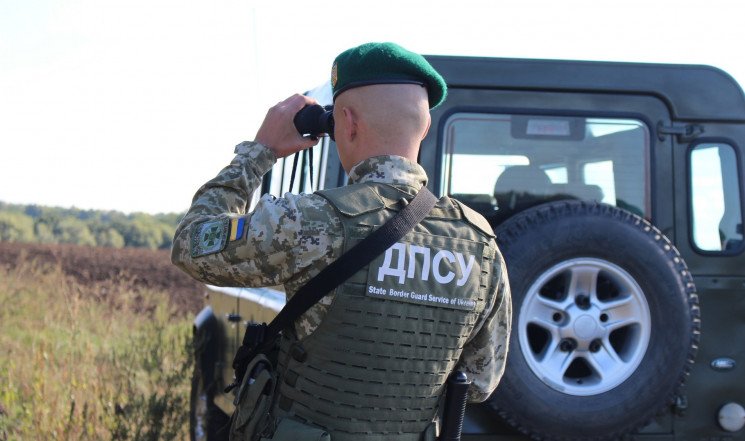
(108, 359)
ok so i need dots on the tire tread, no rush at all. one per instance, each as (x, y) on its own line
(522, 223)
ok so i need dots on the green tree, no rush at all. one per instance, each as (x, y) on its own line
(44, 233)
(106, 235)
(72, 230)
(170, 219)
(109, 237)
(87, 227)
(140, 230)
(16, 227)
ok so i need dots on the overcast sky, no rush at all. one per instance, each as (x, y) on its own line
(132, 104)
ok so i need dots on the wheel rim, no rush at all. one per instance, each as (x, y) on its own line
(584, 326)
(200, 414)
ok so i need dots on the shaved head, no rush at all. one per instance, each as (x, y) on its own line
(380, 119)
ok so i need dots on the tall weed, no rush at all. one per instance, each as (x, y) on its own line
(89, 362)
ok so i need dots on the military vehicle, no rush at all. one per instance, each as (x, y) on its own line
(615, 191)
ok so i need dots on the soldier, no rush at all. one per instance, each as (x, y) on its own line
(379, 348)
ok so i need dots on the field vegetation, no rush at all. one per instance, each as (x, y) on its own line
(91, 358)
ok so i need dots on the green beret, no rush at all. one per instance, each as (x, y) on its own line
(385, 63)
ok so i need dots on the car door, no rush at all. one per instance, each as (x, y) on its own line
(709, 216)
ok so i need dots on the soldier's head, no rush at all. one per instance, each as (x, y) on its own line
(382, 97)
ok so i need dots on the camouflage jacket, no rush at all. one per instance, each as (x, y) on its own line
(287, 241)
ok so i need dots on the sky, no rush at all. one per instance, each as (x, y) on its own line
(131, 105)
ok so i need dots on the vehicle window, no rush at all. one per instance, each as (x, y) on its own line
(715, 198)
(503, 164)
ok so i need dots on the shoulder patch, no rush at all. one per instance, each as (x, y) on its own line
(209, 237)
(475, 219)
(353, 200)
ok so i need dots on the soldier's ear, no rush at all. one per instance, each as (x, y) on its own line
(350, 123)
(429, 123)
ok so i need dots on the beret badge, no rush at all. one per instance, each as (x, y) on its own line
(334, 75)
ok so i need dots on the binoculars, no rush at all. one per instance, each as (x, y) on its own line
(313, 121)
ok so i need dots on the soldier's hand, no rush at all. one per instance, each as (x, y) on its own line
(278, 132)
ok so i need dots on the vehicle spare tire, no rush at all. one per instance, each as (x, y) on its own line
(606, 322)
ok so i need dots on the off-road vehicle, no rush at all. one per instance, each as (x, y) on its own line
(615, 191)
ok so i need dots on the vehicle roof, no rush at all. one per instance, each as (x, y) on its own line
(691, 92)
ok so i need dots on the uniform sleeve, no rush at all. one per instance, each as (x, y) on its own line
(484, 356)
(218, 243)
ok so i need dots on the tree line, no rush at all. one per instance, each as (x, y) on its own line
(40, 224)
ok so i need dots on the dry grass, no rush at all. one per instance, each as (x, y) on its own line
(89, 362)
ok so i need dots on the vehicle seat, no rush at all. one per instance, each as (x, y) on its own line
(585, 192)
(591, 192)
(520, 187)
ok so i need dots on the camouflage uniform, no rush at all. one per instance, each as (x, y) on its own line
(288, 240)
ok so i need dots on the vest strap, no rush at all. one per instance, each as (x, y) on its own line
(354, 260)
(336, 273)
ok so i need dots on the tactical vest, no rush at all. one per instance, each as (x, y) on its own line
(376, 367)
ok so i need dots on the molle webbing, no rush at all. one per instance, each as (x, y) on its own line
(376, 367)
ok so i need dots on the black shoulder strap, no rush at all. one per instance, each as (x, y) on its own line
(332, 276)
(354, 260)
